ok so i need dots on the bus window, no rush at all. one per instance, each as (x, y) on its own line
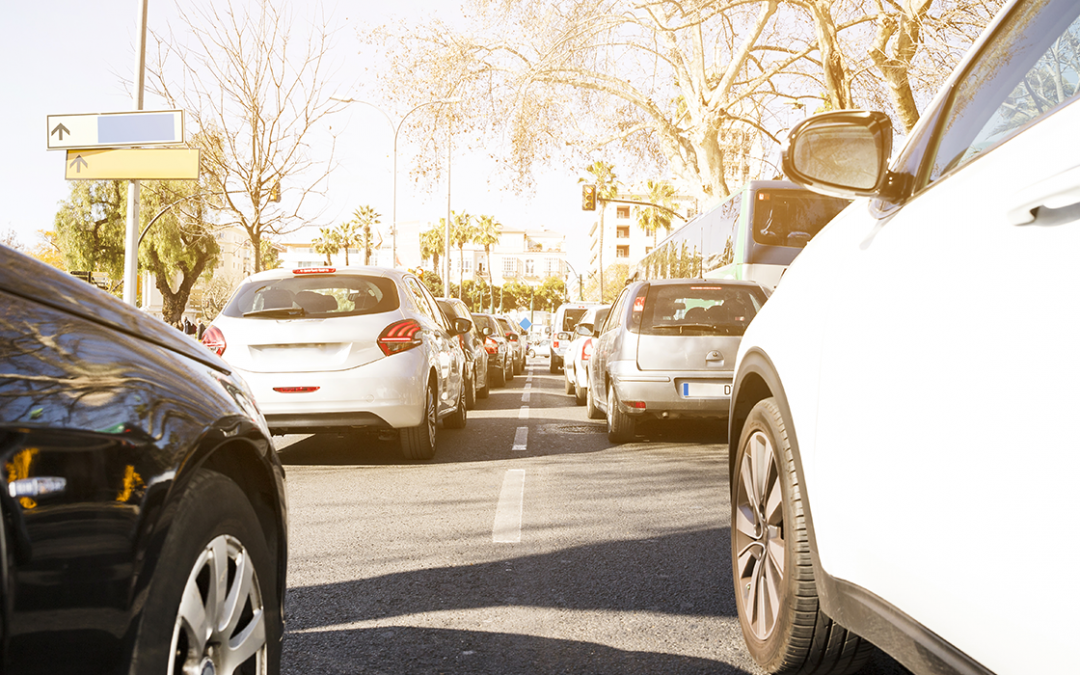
(792, 217)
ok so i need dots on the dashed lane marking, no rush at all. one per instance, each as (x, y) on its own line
(521, 439)
(507, 527)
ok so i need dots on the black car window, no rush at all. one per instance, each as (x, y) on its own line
(1030, 68)
(615, 317)
(699, 309)
(314, 296)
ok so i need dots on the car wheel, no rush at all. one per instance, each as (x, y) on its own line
(774, 579)
(553, 367)
(620, 427)
(470, 391)
(519, 366)
(458, 418)
(419, 442)
(212, 605)
(532, 354)
(568, 386)
(580, 394)
(508, 373)
(499, 377)
(593, 412)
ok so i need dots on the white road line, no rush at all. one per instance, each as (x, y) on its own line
(507, 527)
(523, 414)
(521, 439)
(526, 393)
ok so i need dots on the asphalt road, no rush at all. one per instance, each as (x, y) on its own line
(528, 545)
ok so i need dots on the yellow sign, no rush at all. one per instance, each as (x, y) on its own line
(133, 164)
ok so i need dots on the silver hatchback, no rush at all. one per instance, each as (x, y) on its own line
(667, 350)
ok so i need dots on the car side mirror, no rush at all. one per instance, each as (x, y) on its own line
(512, 337)
(584, 329)
(462, 326)
(842, 153)
(486, 331)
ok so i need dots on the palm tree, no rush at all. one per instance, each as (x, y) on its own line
(651, 219)
(607, 187)
(366, 218)
(328, 244)
(432, 245)
(461, 233)
(487, 235)
(346, 234)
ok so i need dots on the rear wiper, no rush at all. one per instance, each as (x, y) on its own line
(276, 312)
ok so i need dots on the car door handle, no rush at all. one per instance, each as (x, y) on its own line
(1054, 193)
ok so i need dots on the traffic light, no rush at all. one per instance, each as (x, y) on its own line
(588, 197)
(275, 192)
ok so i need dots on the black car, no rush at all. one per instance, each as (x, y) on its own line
(472, 342)
(500, 354)
(143, 523)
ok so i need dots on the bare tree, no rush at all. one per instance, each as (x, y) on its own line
(256, 98)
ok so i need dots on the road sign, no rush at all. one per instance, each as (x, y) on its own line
(132, 164)
(114, 130)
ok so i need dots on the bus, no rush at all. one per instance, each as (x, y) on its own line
(754, 235)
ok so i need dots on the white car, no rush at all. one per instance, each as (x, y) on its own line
(562, 330)
(333, 349)
(577, 356)
(903, 422)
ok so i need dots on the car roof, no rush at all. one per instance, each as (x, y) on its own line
(366, 270)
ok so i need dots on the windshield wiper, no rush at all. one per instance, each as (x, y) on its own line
(276, 312)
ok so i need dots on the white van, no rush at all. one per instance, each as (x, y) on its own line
(562, 329)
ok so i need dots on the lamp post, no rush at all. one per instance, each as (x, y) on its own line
(580, 285)
(397, 129)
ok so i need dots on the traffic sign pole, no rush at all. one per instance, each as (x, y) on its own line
(131, 240)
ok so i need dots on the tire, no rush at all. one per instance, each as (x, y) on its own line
(508, 373)
(532, 354)
(215, 532)
(620, 427)
(419, 442)
(591, 411)
(568, 386)
(782, 625)
(470, 392)
(519, 366)
(499, 377)
(553, 367)
(580, 394)
(458, 418)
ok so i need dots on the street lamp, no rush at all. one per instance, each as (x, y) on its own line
(580, 285)
(397, 129)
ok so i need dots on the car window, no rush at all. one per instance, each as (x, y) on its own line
(616, 312)
(432, 311)
(1030, 68)
(316, 295)
(699, 309)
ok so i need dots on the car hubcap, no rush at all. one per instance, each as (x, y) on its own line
(432, 417)
(759, 535)
(221, 623)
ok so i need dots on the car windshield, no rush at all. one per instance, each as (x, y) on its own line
(319, 296)
(699, 309)
(571, 318)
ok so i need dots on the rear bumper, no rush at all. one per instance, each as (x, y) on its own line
(388, 393)
(674, 395)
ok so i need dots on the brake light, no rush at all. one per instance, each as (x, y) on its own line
(399, 337)
(295, 390)
(214, 340)
(315, 270)
(586, 349)
(491, 346)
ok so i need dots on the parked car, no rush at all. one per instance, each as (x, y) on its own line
(566, 317)
(333, 349)
(519, 343)
(500, 356)
(902, 458)
(472, 342)
(578, 355)
(541, 348)
(135, 464)
(667, 351)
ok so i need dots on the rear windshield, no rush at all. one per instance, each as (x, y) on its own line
(314, 296)
(792, 217)
(484, 321)
(572, 317)
(699, 309)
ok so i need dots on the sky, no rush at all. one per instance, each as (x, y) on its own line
(73, 56)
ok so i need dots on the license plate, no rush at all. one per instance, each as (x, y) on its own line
(706, 389)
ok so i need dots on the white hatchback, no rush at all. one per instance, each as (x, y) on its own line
(903, 457)
(333, 349)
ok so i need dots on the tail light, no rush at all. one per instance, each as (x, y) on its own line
(400, 337)
(587, 349)
(491, 346)
(214, 340)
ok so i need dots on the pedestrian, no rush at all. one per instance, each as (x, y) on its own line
(202, 329)
(189, 328)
